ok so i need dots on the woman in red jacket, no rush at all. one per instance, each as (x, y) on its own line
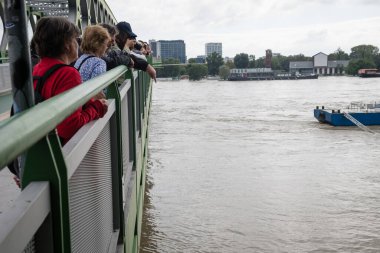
(56, 43)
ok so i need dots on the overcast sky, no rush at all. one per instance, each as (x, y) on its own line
(252, 26)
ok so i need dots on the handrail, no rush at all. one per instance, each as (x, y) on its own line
(21, 131)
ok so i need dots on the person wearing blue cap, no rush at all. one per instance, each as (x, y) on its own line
(126, 28)
(126, 40)
(114, 56)
(121, 54)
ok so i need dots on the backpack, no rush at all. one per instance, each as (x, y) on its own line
(14, 166)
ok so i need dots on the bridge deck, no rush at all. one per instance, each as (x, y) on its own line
(8, 190)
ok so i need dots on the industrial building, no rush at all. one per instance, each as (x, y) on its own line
(319, 65)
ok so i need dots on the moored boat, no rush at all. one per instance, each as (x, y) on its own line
(356, 113)
(369, 73)
(257, 74)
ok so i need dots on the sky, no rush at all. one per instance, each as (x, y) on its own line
(251, 26)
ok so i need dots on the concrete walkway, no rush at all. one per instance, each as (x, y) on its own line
(4, 115)
(8, 188)
(9, 191)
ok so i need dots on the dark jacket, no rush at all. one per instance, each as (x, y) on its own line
(116, 57)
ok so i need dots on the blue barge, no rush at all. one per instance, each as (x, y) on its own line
(366, 114)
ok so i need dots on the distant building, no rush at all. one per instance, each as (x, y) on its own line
(200, 59)
(268, 58)
(302, 67)
(213, 47)
(227, 59)
(320, 65)
(153, 47)
(164, 49)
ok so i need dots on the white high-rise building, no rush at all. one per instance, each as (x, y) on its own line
(213, 47)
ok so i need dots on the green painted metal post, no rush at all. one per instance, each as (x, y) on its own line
(117, 185)
(133, 139)
(45, 162)
(133, 116)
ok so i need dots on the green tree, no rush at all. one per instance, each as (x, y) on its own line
(169, 70)
(230, 64)
(224, 72)
(197, 71)
(251, 59)
(299, 57)
(280, 62)
(285, 64)
(241, 61)
(183, 70)
(260, 62)
(364, 52)
(377, 61)
(338, 55)
(356, 64)
(192, 60)
(214, 61)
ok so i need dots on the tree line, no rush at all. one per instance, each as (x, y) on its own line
(195, 71)
(361, 56)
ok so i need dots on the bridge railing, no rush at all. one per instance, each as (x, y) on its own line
(86, 196)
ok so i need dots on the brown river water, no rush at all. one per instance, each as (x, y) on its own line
(245, 167)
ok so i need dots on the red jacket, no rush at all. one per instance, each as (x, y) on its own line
(61, 80)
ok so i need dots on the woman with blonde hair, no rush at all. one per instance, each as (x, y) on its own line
(94, 44)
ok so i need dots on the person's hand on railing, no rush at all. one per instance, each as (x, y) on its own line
(17, 181)
(105, 105)
(152, 72)
(100, 95)
(131, 64)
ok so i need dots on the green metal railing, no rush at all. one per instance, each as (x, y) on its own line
(29, 126)
(122, 134)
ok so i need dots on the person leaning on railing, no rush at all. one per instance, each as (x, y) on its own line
(94, 44)
(117, 54)
(55, 42)
(54, 45)
(114, 56)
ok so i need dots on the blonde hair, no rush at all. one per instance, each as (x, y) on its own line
(93, 38)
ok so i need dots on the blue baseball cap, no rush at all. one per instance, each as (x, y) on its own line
(126, 28)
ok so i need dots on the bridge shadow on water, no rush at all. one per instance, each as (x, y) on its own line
(149, 231)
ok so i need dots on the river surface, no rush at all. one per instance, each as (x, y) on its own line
(245, 167)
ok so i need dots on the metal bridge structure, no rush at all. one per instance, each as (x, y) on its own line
(80, 12)
(88, 195)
